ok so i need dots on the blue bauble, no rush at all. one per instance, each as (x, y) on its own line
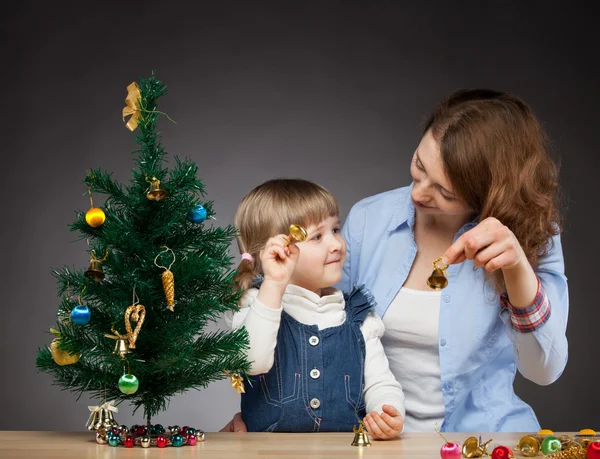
(177, 440)
(113, 440)
(197, 214)
(80, 315)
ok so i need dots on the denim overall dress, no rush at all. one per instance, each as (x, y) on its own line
(317, 379)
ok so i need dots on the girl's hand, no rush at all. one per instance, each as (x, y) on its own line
(279, 259)
(490, 245)
(386, 425)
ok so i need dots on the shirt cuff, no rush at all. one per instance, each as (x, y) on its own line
(531, 318)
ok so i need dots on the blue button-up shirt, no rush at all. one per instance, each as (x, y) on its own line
(479, 350)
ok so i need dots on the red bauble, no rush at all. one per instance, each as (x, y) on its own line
(192, 440)
(593, 451)
(140, 431)
(451, 450)
(129, 441)
(116, 431)
(502, 452)
(161, 441)
(183, 430)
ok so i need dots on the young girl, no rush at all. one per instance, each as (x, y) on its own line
(317, 359)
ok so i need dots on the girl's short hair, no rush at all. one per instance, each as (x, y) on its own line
(269, 209)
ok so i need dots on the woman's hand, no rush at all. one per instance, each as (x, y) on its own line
(386, 425)
(491, 245)
(279, 259)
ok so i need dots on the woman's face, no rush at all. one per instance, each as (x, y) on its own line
(432, 191)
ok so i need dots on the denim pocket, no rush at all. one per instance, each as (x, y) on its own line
(273, 389)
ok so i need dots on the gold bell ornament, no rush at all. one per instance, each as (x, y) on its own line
(529, 446)
(101, 417)
(168, 279)
(61, 357)
(472, 447)
(361, 437)
(95, 216)
(95, 270)
(437, 280)
(121, 345)
(297, 234)
(155, 192)
(237, 382)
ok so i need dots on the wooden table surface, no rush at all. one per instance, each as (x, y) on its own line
(81, 445)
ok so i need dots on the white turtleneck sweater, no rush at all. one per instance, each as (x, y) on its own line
(328, 310)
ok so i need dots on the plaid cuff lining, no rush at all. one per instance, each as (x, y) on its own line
(531, 318)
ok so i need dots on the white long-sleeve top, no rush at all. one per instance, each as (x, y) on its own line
(328, 310)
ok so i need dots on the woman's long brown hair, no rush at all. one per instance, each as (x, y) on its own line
(495, 153)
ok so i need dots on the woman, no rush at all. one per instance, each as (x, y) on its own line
(483, 197)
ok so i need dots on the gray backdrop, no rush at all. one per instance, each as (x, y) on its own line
(334, 92)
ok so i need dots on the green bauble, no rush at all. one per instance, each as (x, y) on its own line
(177, 440)
(550, 445)
(114, 440)
(128, 384)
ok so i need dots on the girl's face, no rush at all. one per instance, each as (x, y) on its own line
(322, 256)
(432, 191)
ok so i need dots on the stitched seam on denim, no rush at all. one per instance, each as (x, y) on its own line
(348, 396)
(266, 392)
(296, 393)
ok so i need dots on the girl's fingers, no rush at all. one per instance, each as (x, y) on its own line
(383, 426)
(373, 428)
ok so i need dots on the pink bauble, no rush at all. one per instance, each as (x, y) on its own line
(593, 451)
(451, 450)
(192, 440)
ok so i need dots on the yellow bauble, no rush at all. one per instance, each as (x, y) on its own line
(62, 357)
(95, 217)
(545, 432)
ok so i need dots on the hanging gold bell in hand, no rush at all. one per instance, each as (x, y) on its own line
(437, 280)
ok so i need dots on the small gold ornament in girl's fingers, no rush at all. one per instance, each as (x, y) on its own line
(297, 234)
(437, 280)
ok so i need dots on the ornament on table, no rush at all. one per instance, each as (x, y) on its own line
(361, 437)
(237, 382)
(297, 233)
(137, 313)
(586, 436)
(197, 214)
(81, 314)
(451, 449)
(437, 280)
(168, 279)
(502, 452)
(155, 192)
(593, 450)
(95, 270)
(61, 357)
(529, 446)
(122, 343)
(550, 444)
(95, 216)
(571, 453)
(472, 447)
(101, 417)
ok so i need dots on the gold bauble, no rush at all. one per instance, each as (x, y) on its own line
(62, 357)
(95, 217)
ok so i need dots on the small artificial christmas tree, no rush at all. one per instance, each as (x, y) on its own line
(131, 326)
